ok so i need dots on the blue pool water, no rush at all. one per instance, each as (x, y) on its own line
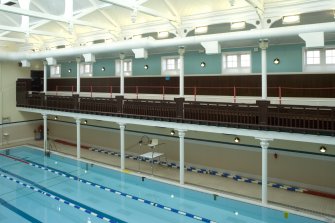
(36, 188)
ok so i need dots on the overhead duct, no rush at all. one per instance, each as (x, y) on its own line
(51, 61)
(315, 39)
(89, 57)
(140, 53)
(25, 63)
(212, 47)
(255, 34)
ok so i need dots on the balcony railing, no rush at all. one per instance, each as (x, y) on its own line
(261, 115)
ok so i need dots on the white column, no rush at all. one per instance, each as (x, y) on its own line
(181, 52)
(263, 44)
(181, 134)
(78, 137)
(122, 56)
(45, 132)
(45, 70)
(122, 127)
(78, 75)
(264, 144)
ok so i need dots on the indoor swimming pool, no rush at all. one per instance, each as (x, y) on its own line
(38, 188)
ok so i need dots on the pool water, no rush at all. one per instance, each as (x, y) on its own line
(37, 188)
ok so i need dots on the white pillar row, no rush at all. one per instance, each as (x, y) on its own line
(78, 75)
(181, 52)
(122, 56)
(181, 134)
(45, 132)
(263, 44)
(45, 71)
(264, 145)
(78, 137)
(122, 128)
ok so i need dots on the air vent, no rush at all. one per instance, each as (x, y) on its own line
(10, 3)
(98, 41)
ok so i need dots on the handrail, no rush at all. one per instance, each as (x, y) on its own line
(195, 91)
(296, 118)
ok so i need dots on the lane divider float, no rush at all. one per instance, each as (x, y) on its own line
(67, 201)
(108, 189)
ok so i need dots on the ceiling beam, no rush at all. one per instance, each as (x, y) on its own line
(36, 32)
(145, 10)
(108, 17)
(46, 16)
(12, 39)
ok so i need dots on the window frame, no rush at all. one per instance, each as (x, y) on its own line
(323, 66)
(82, 69)
(55, 71)
(127, 73)
(165, 71)
(238, 68)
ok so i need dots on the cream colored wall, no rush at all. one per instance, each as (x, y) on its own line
(295, 167)
(9, 115)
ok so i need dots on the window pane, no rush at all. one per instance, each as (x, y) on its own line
(313, 57)
(330, 56)
(245, 60)
(170, 64)
(231, 61)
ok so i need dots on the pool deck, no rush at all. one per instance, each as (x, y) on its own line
(306, 203)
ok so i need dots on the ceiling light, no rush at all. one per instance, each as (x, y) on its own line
(56, 117)
(276, 61)
(85, 122)
(162, 35)
(291, 19)
(69, 70)
(202, 64)
(103, 68)
(146, 67)
(237, 25)
(237, 139)
(201, 30)
(323, 149)
(172, 132)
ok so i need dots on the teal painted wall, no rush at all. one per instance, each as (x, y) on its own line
(108, 64)
(193, 60)
(66, 66)
(290, 59)
(154, 63)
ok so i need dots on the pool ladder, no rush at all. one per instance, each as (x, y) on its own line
(51, 147)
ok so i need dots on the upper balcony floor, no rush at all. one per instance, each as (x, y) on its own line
(208, 101)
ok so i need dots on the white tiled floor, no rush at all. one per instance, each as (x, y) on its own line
(292, 200)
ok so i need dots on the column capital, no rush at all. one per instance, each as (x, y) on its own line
(263, 43)
(264, 142)
(77, 120)
(44, 115)
(78, 59)
(122, 56)
(122, 125)
(45, 63)
(181, 50)
(181, 132)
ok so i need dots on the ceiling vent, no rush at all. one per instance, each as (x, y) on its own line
(60, 46)
(10, 3)
(98, 41)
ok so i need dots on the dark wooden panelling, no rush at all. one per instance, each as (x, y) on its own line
(246, 85)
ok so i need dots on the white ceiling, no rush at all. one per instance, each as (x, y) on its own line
(49, 26)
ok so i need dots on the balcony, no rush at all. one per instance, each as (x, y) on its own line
(262, 115)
